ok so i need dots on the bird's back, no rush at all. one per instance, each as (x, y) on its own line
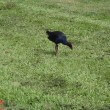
(57, 37)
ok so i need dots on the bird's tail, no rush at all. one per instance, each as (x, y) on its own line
(69, 45)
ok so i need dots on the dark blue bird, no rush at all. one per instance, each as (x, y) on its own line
(58, 37)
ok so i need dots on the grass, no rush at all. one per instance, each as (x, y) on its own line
(32, 77)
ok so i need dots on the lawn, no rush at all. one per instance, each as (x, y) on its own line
(32, 77)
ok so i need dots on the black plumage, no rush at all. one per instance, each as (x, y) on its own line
(58, 37)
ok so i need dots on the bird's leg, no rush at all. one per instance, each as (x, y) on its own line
(56, 49)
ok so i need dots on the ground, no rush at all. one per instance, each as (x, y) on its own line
(32, 77)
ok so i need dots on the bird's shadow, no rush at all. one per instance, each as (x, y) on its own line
(43, 51)
(49, 52)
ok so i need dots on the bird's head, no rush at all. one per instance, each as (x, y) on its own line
(70, 45)
(47, 31)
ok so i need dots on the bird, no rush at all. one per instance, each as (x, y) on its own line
(58, 37)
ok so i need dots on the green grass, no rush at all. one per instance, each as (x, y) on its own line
(32, 77)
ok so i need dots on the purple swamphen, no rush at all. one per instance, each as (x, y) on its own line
(58, 37)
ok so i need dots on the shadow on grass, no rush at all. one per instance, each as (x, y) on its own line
(56, 82)
(12, 105)
(7, 5)
(49, 52)
(105, 107)
(42, 51)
